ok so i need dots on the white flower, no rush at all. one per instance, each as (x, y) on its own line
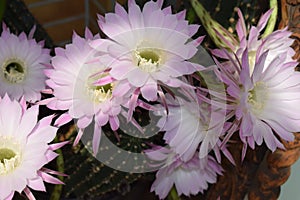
(24, 149)
(265, 102)
(190, 177)
(76, 69)
(191, 125)
(21, 66)
(150, 46)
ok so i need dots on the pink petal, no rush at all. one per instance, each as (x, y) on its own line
(160, 3)
(259, 67)
(49, 171)
(135, 16)
(149, 8)
(50, 155)
(84, 121)
(149, 90)
(42, 133)
(133, 103)
(29, 194)
(166, 11)
(56, 146)
(45, 121)
(137, 77)
(240, 26)
(101, 119)
(47, 91)
(193, 28)
(119, 70)
(245, 72)
(119, 10)
(37, 184)
(244, 150)
(63, 119)
(263, 20)
(114, 122)
(197, 41)
(121, 89)
(23, 103)
(228, 156)
(78, 137)
(104, 81)
(181, 15)
(49, 179)
(46, 101)
(29, 119)
(88, 34)
(31, 33)
(96, 139)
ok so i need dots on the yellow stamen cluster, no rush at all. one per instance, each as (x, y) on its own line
(98, 94)
(258, 97)
(14, 71)
(10, 156)
(147, 57)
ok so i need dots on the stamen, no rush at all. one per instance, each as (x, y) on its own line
(14, 71)
(10, 156)
(99, 94)
(148, 58)
(258, 97)
(6, 153)
(252, 58)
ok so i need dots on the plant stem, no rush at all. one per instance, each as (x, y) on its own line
(173, 194)
(56, 194)
(2, 8)
(212, 27)
(272, 21)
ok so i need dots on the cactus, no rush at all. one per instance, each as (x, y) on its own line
(2, 8)
(89, 178)
(220, 16)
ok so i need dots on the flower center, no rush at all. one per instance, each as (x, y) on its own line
(252, 58)
(258, 97)
(10, 157)
(99, 94)
(6, 153)
(149, 56)
(14, 71)
(148, 59)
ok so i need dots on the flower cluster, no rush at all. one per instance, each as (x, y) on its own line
(24, 140)
(147, 51)
(262, 85)
(147, 60)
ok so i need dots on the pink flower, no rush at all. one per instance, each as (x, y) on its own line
(263, 86)
(24, 149)
(150, 47)
(191, 125)
(265, 100)
(276, 43)
(22, 62)
(190, 177)
(81, 84)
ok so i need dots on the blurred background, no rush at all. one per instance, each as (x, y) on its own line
(61, 17)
